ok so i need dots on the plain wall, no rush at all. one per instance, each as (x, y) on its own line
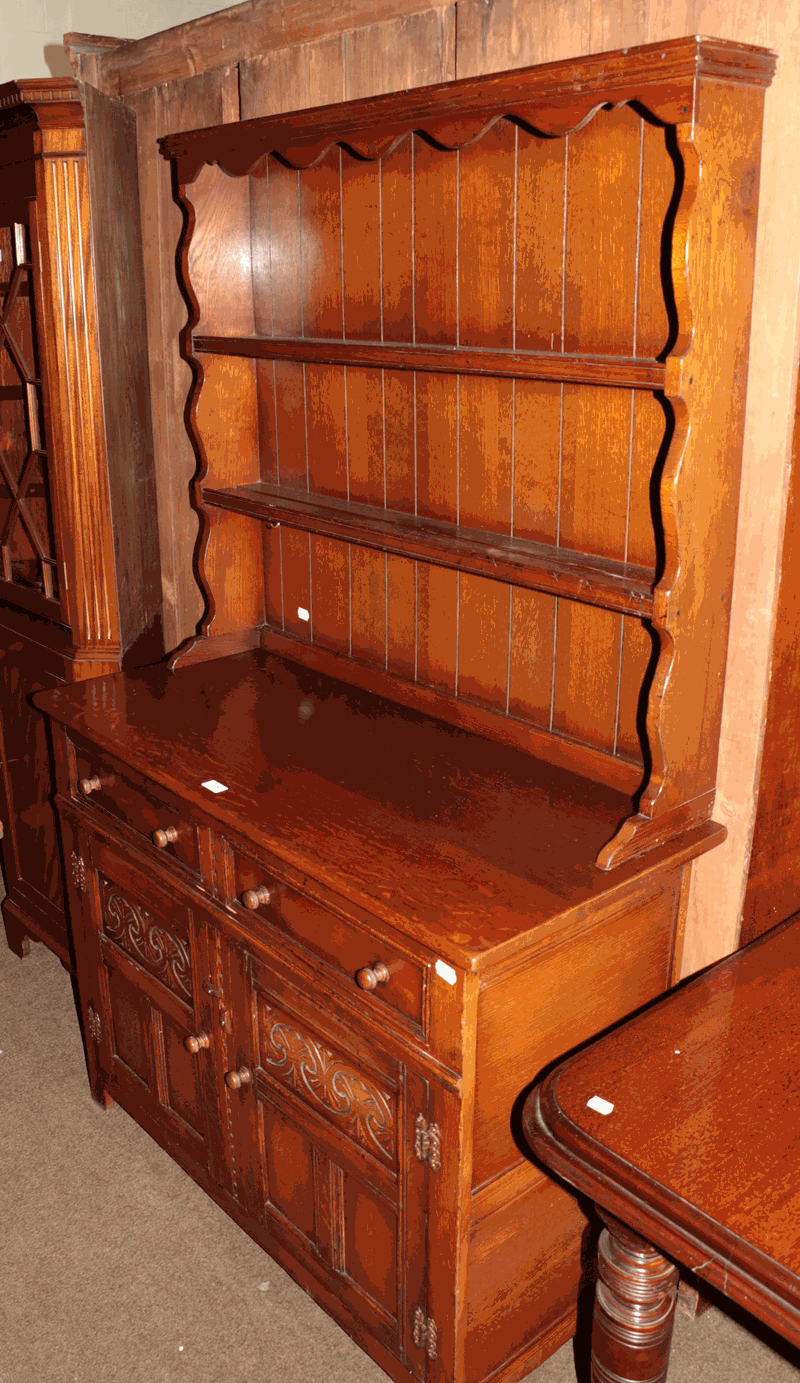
(32, 30)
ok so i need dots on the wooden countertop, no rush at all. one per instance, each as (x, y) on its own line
(465, 844)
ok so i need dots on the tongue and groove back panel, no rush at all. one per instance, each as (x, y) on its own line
(449, 248)
(449, 366)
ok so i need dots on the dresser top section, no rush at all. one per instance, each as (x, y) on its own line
(552, 97)
(464, 844)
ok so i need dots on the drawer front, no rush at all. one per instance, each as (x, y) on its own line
(374, 969)
(99, 781)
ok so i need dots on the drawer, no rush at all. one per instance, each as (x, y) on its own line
(374, 970)
(99, 781)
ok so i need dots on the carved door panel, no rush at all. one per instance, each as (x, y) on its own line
(326, 1125)
(146, 958)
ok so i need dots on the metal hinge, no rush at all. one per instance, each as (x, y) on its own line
(78, 872)
(425, 1333)
(428, 1142)
(93, 1020)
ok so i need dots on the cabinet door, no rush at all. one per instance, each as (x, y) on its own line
(31, 858)
(145, 957)
(327, 1164)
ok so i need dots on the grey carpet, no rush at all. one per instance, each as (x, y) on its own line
(115, 1266)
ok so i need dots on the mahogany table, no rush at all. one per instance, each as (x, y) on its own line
(683, 1125)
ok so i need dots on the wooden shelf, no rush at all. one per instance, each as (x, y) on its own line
(579, 576)
(618, 371)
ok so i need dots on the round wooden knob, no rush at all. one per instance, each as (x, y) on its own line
(257, 897)
(193, 1044)
(89, 785)
(236, 1079)
(164, 838)
(369, 978)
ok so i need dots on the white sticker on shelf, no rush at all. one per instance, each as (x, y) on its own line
(302, 613)
(600, 1105)
(214, 786)
(446, 971)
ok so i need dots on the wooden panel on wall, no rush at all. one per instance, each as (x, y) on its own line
(122, 334)
(773, 886)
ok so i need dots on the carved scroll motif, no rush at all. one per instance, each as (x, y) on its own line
(133, 928)
(302, 1063)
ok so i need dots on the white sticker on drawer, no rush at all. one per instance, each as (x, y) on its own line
(302, 613)
(214, 786)
(445, 971)
(600, 1105)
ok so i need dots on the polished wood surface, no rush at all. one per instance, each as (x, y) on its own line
(697, 1146)
(79, 585)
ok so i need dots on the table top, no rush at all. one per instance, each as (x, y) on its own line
(700, 1152)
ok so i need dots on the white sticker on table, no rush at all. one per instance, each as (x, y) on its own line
(214, 786)
(445, 971)
(599, 1105)
(302, 613)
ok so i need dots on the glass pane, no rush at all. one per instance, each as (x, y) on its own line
(13, 429)
(36, 505)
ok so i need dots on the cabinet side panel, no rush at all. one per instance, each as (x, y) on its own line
(523, 1276)
(596, 974)
(122, 340)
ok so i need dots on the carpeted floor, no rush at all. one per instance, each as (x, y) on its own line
(115, 1266)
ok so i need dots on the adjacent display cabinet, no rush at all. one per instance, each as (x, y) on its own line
(79, 580)
(415, 812)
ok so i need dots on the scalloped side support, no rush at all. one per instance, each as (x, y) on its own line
(659, 818)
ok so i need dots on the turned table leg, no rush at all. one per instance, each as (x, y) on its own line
(634, 1308)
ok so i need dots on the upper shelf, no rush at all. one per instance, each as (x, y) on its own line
(599, 581)
(618, 371)
(553, 99)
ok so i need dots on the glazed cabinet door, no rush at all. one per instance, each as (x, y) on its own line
(327, 1120)
(145, 958)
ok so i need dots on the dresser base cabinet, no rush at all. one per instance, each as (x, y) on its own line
(366, 1137)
